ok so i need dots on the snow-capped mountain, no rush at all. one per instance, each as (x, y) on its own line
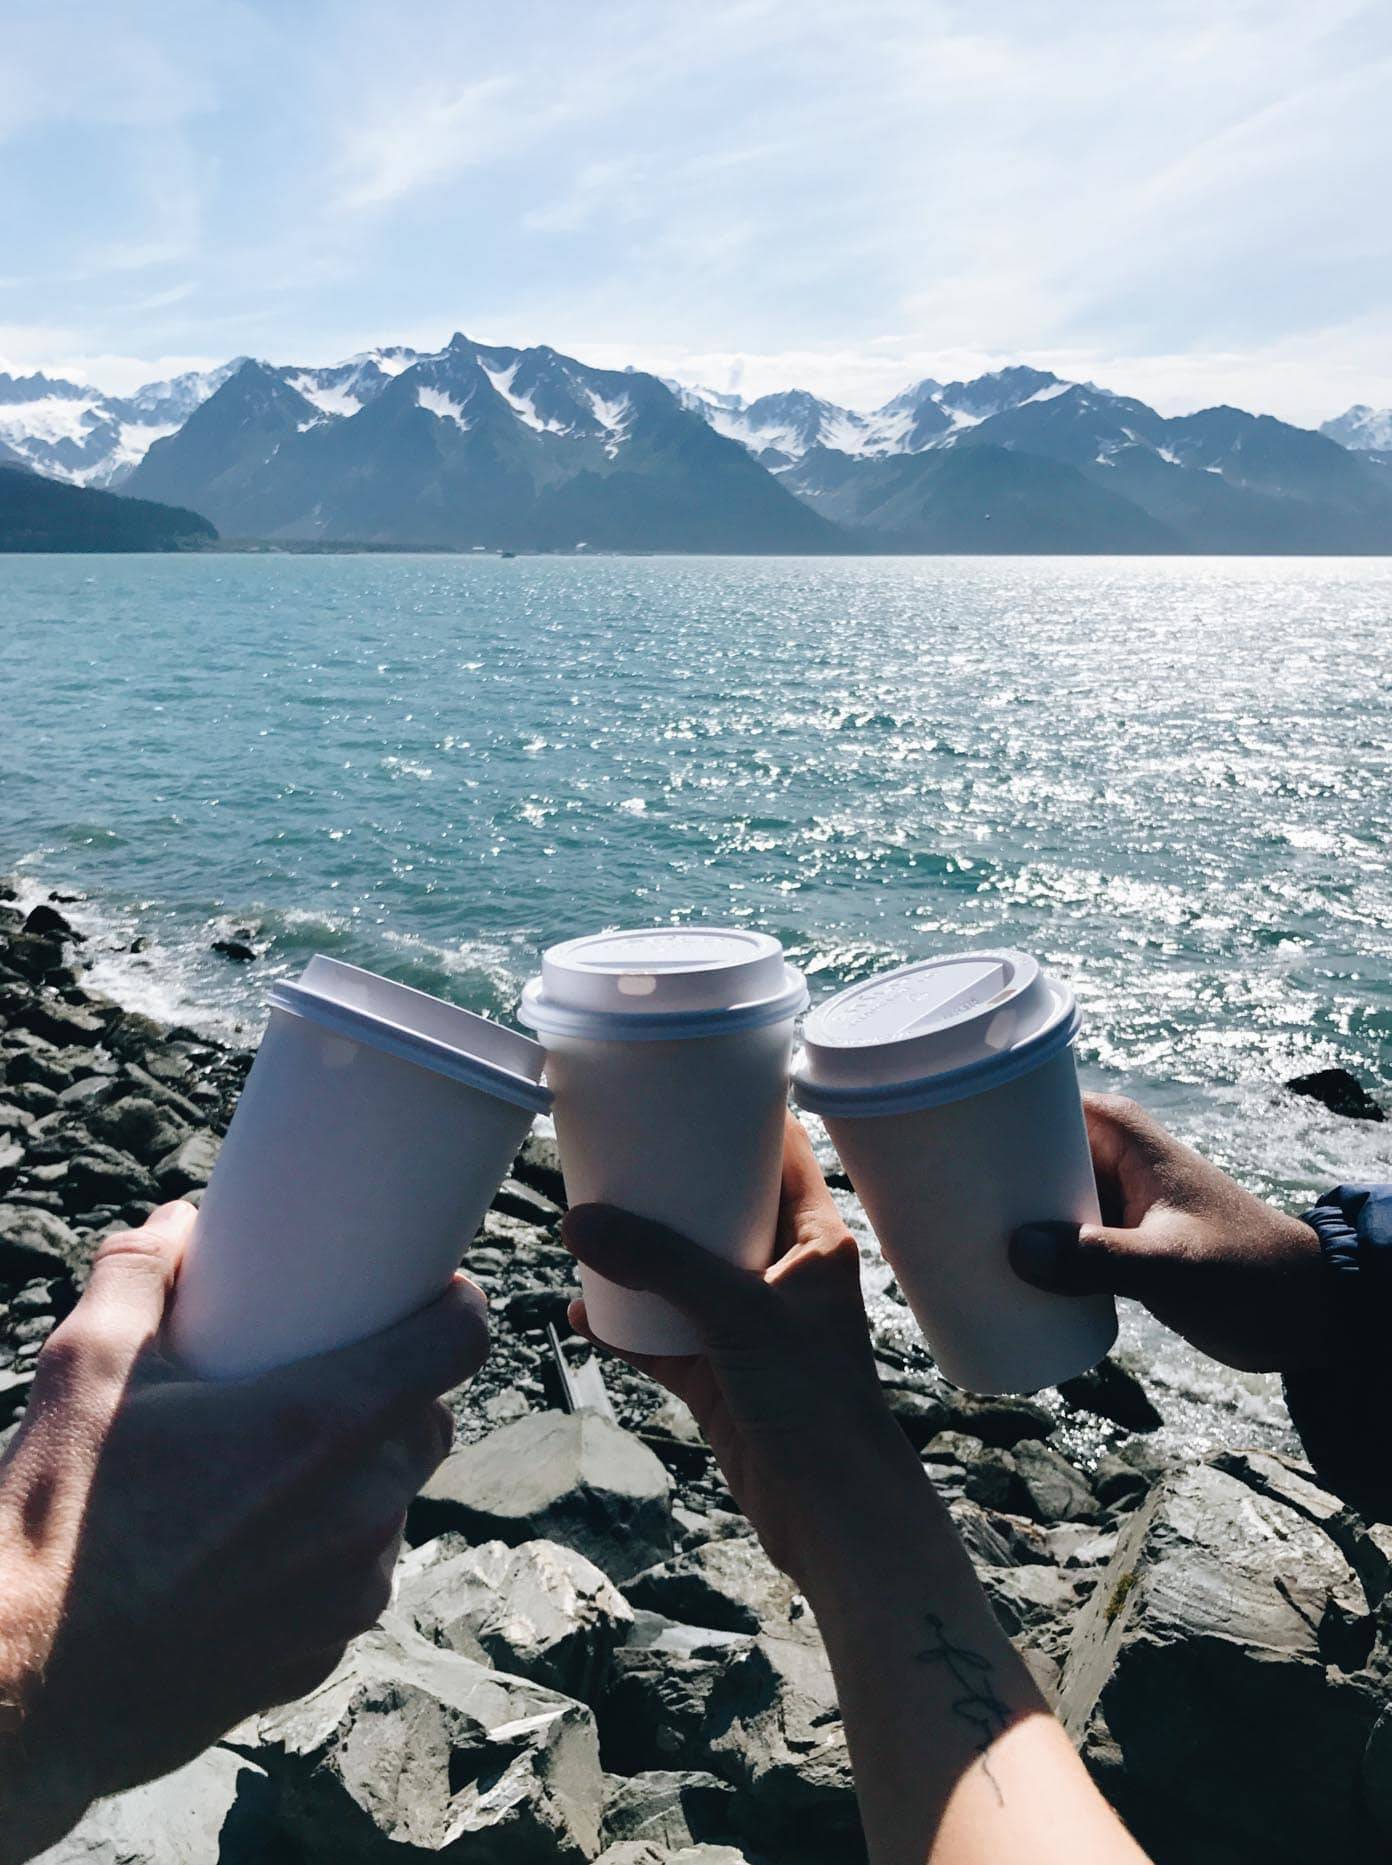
(1363, 428)
(70, 431)
(780, 429)
(1221, 479)
(472, 445)
(486, 445)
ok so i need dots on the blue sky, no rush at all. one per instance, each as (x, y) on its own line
(1186, 201)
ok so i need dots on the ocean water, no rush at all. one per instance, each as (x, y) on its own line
(1169, 779)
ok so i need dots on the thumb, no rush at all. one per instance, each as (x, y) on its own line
(1083, 1259)
(132, 1276)
(731, 1306)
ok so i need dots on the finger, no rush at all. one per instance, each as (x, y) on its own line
(130, 1283)
(805, 1190)
(731, 1306)
(430, 1352)
(1088, 1259)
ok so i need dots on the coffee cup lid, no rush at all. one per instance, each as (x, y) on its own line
(932, 1032)
(663, 981)
(418, 1028)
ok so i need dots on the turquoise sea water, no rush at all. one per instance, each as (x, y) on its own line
(1170, 779)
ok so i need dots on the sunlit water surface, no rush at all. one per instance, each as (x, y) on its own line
(1168, 779)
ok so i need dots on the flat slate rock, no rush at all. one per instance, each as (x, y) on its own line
(574, 1478)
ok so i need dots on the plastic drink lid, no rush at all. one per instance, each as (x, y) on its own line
(663, 981)
(418, 1028)
(933, 1032)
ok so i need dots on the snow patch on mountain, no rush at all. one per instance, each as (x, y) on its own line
(1363, 428)
(521, 405)
(444, 407)
(335, 402)
(613, 415)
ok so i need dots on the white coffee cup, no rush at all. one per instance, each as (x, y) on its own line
(374, 1129)
(667, 1051)
(950, 1091)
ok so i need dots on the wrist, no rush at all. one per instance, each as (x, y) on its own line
(42, 1792)
(873, 1522)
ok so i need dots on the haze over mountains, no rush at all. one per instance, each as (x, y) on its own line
(480, 445)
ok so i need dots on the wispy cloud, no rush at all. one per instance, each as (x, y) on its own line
(1179, 196)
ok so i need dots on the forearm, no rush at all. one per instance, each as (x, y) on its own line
(957, 1759)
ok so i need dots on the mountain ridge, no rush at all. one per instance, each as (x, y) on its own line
(496, 447)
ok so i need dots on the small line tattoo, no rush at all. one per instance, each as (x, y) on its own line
(978, 1706)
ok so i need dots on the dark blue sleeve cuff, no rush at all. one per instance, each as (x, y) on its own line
(1344, 1412)
(1354, 1227)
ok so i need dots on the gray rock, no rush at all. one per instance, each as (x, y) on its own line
(539, 1165)
(40, 1067)
(1003, 1421)
(1037, 1605)
(644, 1852)
(34, 1243)
(140, 1126)
(987, 1475)
(650, 1631)
(159, 1090)
(514, 1199)
(1111, 1390)
(1128, 1473)
(1205, 1653)
(1339, 1091)
(576, 1479)
(922, 1415)
(991, 1539)
(1053, 1491)
(15, 1382)
(656, 1711)
(80, 1097)
(99, 1175)
(730, 1585)
(217, 1810)
(411, 1752)
(668, 1809)
(775, 1730)
(673, 1434)
(538, 1611)
(62, 1023)
(189, 1167)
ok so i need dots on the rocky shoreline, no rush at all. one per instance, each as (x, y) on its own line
(591, 1658)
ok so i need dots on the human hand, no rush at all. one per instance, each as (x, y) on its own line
(785, 1391)
(176, 1554)
(1240, 1280)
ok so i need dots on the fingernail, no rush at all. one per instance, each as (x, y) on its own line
(1034, 1253)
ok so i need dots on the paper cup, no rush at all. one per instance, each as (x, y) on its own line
(667, 1052)
(950, 1092)
(374, 1129)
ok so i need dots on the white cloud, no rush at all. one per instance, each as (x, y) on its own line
(424, 139)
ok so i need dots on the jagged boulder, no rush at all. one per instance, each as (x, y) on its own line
(411, 1752)
(574, 1478)
(729, 1584)
(775, 1730)
(1219, 1677)
(539, 1611)
(667, 1809)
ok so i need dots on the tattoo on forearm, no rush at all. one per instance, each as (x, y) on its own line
(978, 1706)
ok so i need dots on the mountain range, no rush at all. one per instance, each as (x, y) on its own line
(485, 446)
